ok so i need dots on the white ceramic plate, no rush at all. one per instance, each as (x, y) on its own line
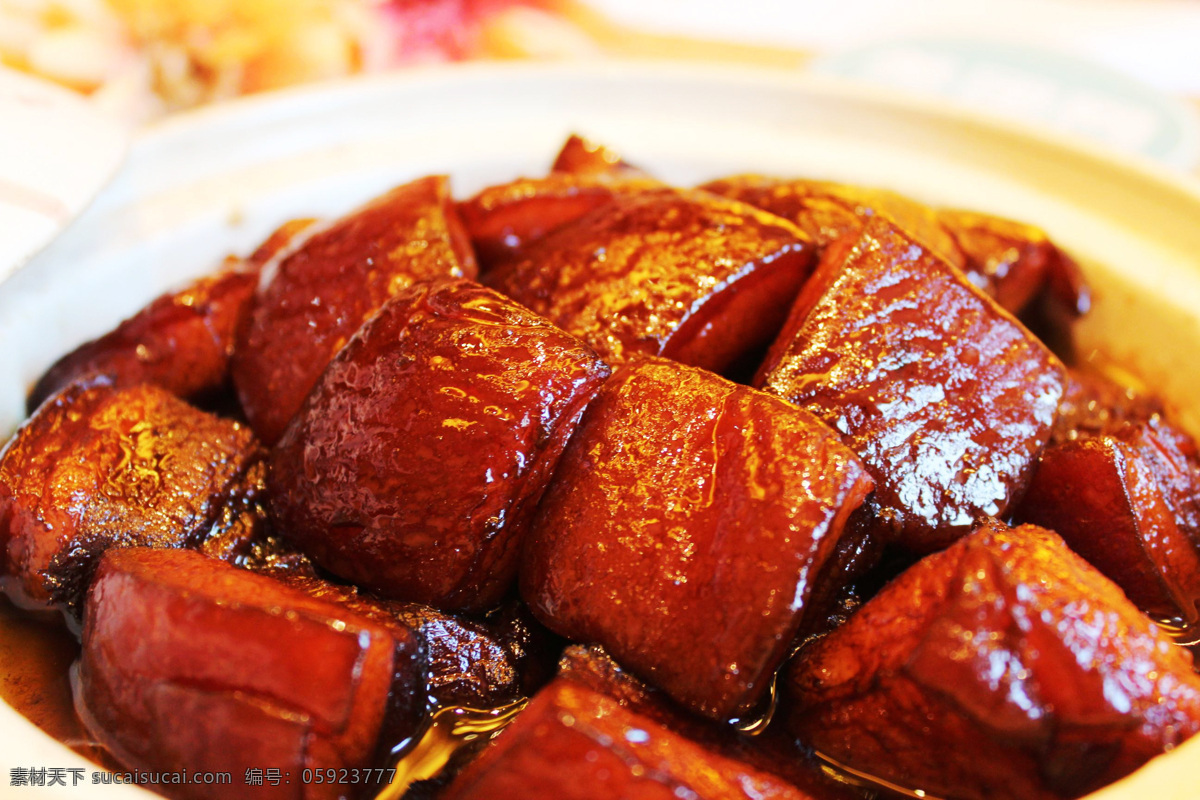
(202, 185)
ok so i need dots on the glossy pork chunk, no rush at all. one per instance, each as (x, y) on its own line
(771, 750)
(182, 341)
(830, 211)
(189, 663)
(574, 744)
(481, 663)
(684, 529)
(1003, 667)
(945, 397)
(501, 220)
(1128, 502)
(468, 662)
(685, 275)
(504, 220)
(420, 456)
(98, 466)
(1094, 405)
(1013, 262)
(580, 156)
(313, 299)
(1010, 261)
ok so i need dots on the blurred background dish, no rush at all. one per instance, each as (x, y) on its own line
(56, 152)
(1125, 72)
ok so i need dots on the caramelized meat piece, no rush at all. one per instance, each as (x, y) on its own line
(771, 750)
(313, 300)
(470, 663)
(1093, 405)
(574, 744)
(533, 648)
(1104, 497)
(503, 220)
(684, 275)
(1122, 487)
(420, 456)
(1013, 262)
(830, 211)
(1010, 261)
(942, 393)
(188, 663)
(684, 529)
(181, 341)
(580, 156)
(1003, 667)
(97, 467)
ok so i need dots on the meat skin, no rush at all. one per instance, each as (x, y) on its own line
(416, 463)
(1002, 667)
(684, 530)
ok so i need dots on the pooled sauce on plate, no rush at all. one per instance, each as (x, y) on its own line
(35, 678)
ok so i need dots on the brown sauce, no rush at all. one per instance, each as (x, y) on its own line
(36, 654)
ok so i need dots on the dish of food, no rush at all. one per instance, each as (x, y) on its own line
(598, 423)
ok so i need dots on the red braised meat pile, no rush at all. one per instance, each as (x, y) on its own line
(759, 489)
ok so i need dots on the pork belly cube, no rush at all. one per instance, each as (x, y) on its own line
(1010, 261)
(182, 341)
(417, 461)
(829, 211)
(580, 156)
(684, 530)
(1002, 667)
(98, 466)
(571, 743)
(680, 274)
(503, 220)
(189, 663)
(1111, 499)
(1094, 405)
(768, 748)
(1014, 262)
(480, 663)
(313, 300)
(946, 398)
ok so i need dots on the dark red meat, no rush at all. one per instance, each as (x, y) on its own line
(97, 467)
(418, 459)
(182, 341)
(684, 529)
(946, 398)
(1002, 667)
(685, 275)
(312, 301)
(574, 744)
(189, 663)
